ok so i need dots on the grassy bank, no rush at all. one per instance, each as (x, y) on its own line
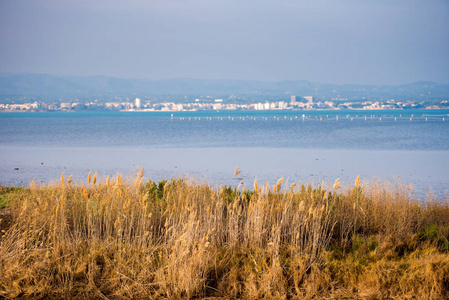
(120, 239)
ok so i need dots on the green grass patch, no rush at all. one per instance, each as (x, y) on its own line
(7, 194)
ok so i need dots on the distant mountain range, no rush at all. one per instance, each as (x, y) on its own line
(52, 87)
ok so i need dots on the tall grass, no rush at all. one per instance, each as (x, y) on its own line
(118, 238)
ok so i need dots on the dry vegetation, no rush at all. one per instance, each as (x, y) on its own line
(121, 238)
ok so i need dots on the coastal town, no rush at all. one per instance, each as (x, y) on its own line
(210, 103)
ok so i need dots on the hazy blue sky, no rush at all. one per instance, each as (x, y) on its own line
(329, 41)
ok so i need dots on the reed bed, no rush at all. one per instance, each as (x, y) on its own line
(179, 239)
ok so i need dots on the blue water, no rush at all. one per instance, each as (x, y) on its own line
(286, 129)
(306, 146)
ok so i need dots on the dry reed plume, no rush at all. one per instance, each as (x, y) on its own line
(120, 239)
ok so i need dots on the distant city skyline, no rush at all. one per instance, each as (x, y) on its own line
(376, 42)
(306, 103)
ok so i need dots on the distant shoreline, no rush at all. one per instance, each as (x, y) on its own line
(223, 110)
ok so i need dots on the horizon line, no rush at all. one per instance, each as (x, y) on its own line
(222, 79)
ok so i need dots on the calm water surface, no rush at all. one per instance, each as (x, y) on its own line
(303, 146)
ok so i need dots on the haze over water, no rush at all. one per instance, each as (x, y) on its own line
(209, 145)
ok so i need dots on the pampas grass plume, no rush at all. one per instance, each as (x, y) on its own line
(278, 184)
(237, 171)
(357, 181)
(337, 184)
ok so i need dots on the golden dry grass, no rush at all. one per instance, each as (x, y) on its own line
(121, 239)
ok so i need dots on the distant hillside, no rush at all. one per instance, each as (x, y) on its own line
(51, 87)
